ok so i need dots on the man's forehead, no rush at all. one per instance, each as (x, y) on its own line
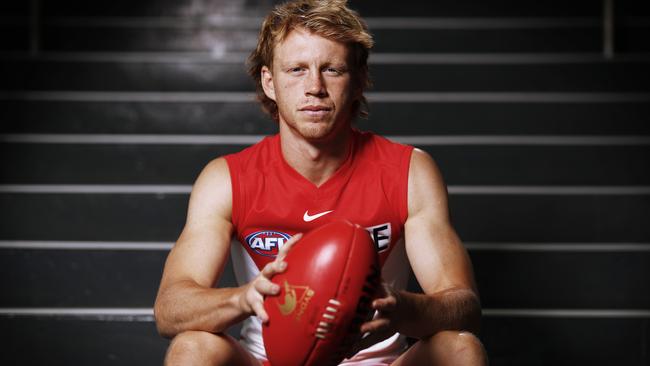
(300, 43)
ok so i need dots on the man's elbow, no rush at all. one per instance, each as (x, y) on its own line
(164, 325)
(472, 316)
(462, 307)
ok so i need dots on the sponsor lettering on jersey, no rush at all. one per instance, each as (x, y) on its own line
(380, 235)
(267, 243)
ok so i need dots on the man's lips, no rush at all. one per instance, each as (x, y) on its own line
(316, 111)
(315, 108)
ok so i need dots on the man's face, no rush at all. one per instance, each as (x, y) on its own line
(311, 84)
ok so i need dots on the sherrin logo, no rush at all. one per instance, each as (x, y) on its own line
(295, 297)
(267, 243)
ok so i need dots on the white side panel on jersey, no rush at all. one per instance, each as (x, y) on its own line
(242, 263)
(245, 271)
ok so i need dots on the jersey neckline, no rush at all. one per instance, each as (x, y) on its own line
(333, 181)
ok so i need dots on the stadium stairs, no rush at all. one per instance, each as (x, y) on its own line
(537, 114)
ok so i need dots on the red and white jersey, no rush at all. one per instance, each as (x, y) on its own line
(272, 202)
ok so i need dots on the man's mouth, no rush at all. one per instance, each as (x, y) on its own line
(315, 110)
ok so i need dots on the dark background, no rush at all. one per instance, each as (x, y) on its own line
(108, 111)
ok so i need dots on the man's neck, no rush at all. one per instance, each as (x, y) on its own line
(317, 161)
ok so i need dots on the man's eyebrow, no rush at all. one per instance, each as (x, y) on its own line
(341, 64)
(291, 63)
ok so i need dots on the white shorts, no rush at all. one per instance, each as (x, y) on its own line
(380, 354)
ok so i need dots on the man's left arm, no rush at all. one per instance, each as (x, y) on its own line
(439, 261)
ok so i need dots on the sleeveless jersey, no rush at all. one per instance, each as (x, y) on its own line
(271, 202)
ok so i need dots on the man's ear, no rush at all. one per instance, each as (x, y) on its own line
(267, 83)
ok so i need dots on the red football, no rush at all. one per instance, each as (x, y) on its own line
(326, 293)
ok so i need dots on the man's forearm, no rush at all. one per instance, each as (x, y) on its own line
(187, 306)
(422, 315)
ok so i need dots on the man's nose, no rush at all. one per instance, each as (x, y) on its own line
(315, 85)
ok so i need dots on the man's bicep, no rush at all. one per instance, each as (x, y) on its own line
(201, 251)
(436, 254)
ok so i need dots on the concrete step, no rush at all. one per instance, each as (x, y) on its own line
(507, 279)
(504, 163)
(477, 217)
(14, 37)
(433, 118)
(38, 341)
(508, 340)
(211, 75)
(521, 38)
(565, 341)
(377, 8)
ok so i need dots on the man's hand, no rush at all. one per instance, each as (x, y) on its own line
(252, 298)
(384, 324)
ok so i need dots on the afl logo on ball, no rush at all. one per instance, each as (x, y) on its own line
(267, 243)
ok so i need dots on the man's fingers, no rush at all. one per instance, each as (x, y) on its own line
(287, 246)
(273, 268)
(266, 287)
(385, 304)
(375, 325)
(258, 308)
(279, 265)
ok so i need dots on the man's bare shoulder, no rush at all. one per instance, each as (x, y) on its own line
(214, 176)
(215, 169)
(422, 162)
(426, 188)
(424, 170)
(212, 191)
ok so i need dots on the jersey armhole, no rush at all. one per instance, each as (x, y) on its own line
(405, 166)
(235, 189)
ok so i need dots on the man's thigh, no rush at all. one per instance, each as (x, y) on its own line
(445, 348)
(203, 348)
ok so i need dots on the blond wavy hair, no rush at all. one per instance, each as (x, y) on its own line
(331, 19)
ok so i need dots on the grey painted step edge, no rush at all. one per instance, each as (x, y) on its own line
(452, 189)
(385, 97)
(425, 140)
(375, 58)
(146, 314)
(471, 246)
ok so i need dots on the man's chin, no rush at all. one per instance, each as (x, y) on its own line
(316, 136)
(315, 131)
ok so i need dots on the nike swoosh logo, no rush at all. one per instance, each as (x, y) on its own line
(307, 217)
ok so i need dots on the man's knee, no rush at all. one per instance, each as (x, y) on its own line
(457, 348)
(202, 348)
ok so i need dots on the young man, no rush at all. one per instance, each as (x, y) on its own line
(311, 70)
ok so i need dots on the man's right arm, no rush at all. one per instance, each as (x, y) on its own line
(186, 298)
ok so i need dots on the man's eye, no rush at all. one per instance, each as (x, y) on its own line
(295, 69)
(332, 70)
